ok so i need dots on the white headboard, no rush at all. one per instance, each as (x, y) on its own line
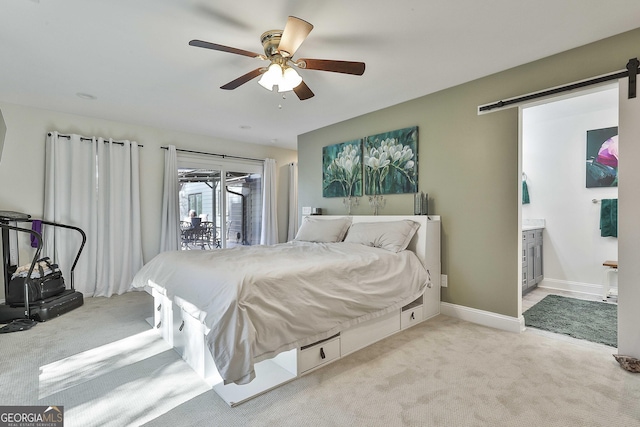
(425, 244)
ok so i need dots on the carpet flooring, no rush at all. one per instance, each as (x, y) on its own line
(587, 320)
(108, 368)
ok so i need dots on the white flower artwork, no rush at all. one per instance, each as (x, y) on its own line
(391, 162)
(342, 170)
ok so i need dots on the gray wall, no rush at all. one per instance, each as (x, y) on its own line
(469, 166)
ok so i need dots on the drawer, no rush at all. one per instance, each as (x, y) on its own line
(187, 332)
(189, 341)
(162, 316)
(411, 316)
(158, 309)
(314, 355)
(177, 328)
(538, 238)
(364, 334)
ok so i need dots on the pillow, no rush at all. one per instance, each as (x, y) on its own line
(323, 230)
(393, 236)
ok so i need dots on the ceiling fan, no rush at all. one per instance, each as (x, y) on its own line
(279, 48)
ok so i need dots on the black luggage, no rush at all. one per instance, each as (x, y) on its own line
(42, 311)
(8, 313)
(46, 281)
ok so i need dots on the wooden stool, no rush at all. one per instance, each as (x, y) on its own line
(612, 267)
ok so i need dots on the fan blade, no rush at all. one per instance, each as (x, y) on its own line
(295, 32)
(243, 79)
(346, 67)
(302, 91)
(222, 17)
(214, 46)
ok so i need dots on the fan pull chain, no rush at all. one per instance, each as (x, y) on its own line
(284, 96)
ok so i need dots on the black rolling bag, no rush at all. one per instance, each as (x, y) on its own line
(46, 281)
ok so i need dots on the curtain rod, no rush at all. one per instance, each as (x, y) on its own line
(82, 138)
(224, 156)
(631, 72)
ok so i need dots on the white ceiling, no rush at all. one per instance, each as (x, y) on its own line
(133, 55)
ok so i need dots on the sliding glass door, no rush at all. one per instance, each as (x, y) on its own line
(225, 198)
(244, 207)
(199, 197)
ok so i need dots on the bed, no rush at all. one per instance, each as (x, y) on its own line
(248, 319)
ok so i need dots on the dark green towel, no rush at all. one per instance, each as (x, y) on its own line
(525, 193)
(609, 217)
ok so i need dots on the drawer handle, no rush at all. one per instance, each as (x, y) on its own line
(322, 355)
(159, 324)
(159, 307)
(181, 326)
(413, 315)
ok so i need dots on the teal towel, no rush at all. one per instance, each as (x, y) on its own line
(609, 218)
(525, 193)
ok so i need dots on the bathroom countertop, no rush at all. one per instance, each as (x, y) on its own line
(532, 224)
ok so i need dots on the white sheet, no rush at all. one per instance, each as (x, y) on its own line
(257, 301)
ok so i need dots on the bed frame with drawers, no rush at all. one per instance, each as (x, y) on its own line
(186, 334)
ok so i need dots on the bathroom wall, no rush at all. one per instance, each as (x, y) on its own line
(554, 161)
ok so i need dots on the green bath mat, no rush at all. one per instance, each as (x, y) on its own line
(587, 320)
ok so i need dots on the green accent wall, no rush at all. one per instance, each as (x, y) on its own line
(468, 164)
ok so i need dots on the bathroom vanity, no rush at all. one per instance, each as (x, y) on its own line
(532, 250)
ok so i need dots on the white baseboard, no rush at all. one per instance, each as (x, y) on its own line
(481, 317)
(578, 287)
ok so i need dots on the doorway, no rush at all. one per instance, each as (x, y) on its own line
(555, 158)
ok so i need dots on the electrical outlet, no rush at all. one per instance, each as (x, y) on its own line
(306, 210)
(443, 280)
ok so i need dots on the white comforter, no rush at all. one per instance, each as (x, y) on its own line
(258, 301)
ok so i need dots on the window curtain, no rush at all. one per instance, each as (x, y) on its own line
(170, 232)
(269, 229)
(93, 184)
(293, 201)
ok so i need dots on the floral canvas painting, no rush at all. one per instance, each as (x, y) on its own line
(602, 157)
(391, 162)
(342, 169)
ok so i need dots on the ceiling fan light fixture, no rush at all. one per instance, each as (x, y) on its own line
(271, 77)
(290, 80)
(286, 78)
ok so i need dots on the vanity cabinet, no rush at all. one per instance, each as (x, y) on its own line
(532, 265)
